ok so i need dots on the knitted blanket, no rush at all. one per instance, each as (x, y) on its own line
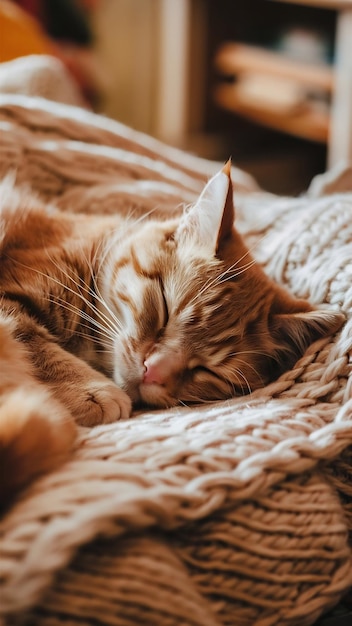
(231, 513)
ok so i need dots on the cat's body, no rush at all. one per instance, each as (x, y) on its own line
(97, 313)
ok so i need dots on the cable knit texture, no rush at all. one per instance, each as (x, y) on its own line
(236, 512)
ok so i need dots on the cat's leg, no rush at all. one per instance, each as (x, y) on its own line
(36, 431)
(91, 397)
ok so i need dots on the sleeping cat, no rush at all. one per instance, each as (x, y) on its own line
(99, 313)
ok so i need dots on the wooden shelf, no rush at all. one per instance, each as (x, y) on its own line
(307, 123)
(304, 119)
(233, 58)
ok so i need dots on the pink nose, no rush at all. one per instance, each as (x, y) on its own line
(153, 373)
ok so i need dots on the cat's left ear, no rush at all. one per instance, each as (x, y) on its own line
(209, 222)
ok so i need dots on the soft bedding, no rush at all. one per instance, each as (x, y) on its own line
(236, 512)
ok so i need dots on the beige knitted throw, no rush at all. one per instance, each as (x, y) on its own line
(233, 513)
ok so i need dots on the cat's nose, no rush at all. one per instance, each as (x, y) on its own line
(161, 366)
(153, 374)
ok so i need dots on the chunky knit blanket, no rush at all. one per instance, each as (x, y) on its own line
(232, 513)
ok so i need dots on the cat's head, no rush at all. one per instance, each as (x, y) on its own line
(196, 318)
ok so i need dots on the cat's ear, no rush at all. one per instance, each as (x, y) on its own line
(294, 329)
(209, 222)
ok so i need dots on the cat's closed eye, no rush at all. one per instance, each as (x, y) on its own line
(202, 371)
(166, 308)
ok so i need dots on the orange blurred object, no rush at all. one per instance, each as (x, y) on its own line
(20, 34)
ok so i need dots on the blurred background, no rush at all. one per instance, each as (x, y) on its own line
(268, 82)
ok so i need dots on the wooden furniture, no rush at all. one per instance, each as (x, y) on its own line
(158, 59)
(307, 121)
(340, 143)
(331, 125)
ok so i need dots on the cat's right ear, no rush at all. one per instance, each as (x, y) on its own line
(210, 220)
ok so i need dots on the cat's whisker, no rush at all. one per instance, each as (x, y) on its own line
(103, 302)
(252, 368)
(219, 279)
(235, 266)
(248, 252)
(195, 400)
(99, 329)
(80, 314)
(112, 322)
(250, 352)
(238, 272)
(104, 352)
(99, 341)
(253, 247)
(200, 400)
(83, 286)
(207, 285)
(238, 371)
(223, 277)
(182, 403)
(250, 365)
(113, 329)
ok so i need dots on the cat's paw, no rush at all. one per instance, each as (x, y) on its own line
(102, 403)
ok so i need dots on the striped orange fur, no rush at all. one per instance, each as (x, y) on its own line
(98, 314)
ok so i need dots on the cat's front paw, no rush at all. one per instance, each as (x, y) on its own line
(103, 403)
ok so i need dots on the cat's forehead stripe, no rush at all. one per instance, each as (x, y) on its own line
(118, 264)
(141, 271)
(123, 297)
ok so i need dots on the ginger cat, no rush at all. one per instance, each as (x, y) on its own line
(99, 313)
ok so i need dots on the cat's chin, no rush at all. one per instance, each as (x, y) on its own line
(156, 396)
